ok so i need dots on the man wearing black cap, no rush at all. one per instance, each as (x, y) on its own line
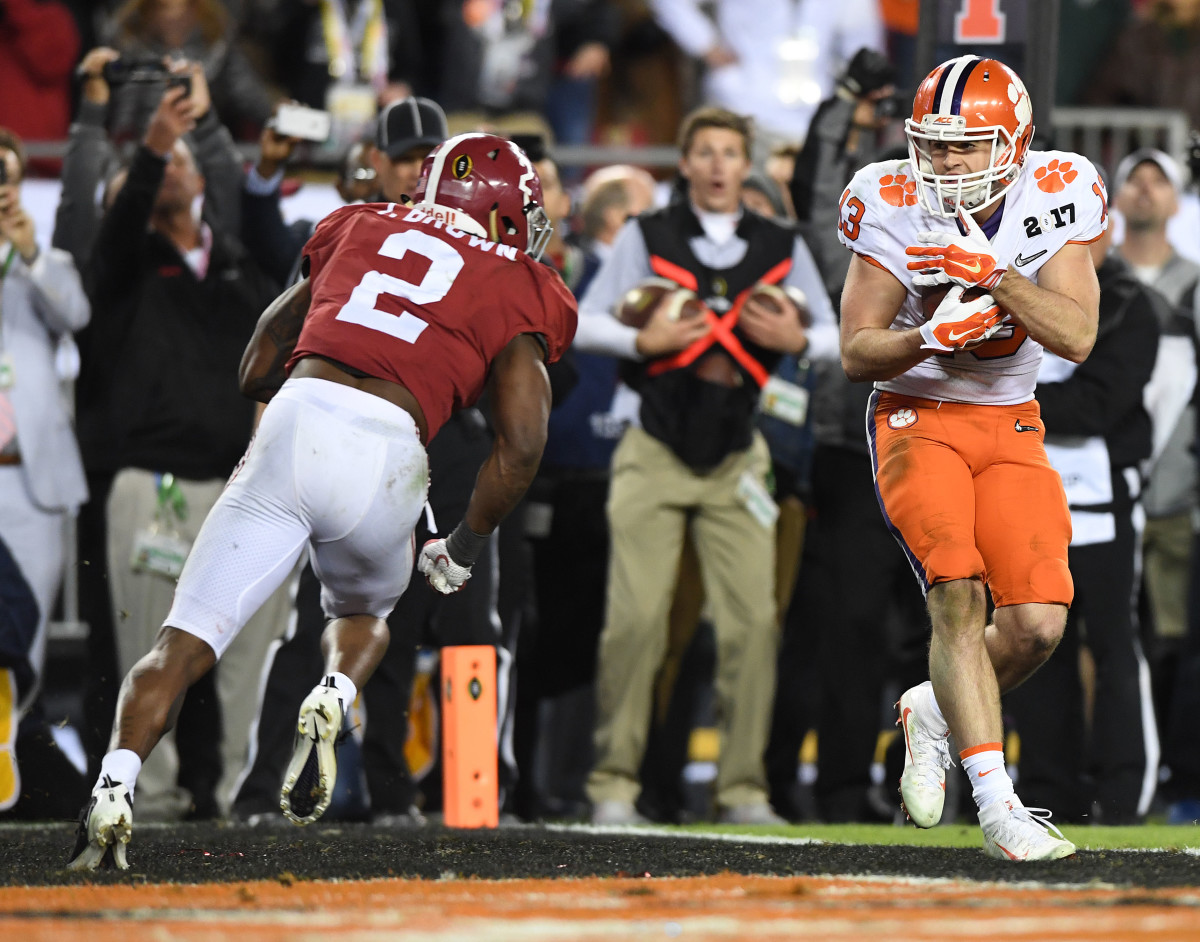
(1147, 189)
(405, 133)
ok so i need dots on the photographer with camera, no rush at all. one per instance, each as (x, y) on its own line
(161, 424)
(833, 612)
(844, 135)
(92, 159)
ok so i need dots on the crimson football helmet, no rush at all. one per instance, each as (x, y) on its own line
(486, 185)
(969, 99)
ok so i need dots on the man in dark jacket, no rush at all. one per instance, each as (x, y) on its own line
(838, 632)
(92, 160)
(161, 422)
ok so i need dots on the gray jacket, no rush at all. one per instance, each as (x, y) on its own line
(1171, 487)
(40, 303)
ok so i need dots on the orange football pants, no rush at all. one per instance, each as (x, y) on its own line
(968, 492)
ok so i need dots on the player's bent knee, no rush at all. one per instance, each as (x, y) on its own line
(1046, 633)
(1038, 641)
(1038, 630)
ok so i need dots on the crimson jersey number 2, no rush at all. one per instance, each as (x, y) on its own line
(445, 263)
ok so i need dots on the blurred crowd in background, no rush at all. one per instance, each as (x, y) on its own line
(180, 169)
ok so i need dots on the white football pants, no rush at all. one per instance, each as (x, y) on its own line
(332, 467)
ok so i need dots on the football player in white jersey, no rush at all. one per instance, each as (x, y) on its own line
(970, 257)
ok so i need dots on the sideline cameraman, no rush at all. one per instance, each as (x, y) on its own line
(843, 136)
(835, 615)
(92, 160)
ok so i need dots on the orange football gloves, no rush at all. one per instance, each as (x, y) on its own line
(950, 258)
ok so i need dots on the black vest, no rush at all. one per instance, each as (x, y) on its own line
(703, 422)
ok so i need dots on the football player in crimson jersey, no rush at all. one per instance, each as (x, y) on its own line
(406, 314)
(954, 430)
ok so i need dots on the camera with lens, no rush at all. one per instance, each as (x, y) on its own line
(144, 71)
(867, 72)
(893, 105)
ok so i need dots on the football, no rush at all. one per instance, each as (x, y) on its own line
(932, 297)
(640, 301)
(771, 296)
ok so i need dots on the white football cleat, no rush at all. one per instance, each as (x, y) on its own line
(308, 782)
(1013, 832)
(105, 827)
(926, 758)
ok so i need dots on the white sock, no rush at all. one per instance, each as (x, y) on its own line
(344, 686)
(121, 765)
(984, 765)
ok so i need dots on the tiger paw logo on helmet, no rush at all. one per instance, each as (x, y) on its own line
(902, 418)
(898, 190)
(1054, 177)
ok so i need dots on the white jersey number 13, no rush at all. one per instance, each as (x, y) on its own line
(444, 265)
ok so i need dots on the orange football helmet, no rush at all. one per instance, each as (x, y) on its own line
(969, 99)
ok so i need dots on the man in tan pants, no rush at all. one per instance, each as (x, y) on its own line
(696, 461)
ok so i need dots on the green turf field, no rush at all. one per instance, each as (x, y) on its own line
(1144, 837)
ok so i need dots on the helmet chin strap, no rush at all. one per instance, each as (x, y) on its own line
(991, 190)
(978, 194)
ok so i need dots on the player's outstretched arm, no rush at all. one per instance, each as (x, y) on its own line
(519, 390)
(262, 369)
(520, 395)
(871, 350)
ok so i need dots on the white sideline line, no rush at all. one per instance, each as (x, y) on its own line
(653, 831)
(663, 831)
